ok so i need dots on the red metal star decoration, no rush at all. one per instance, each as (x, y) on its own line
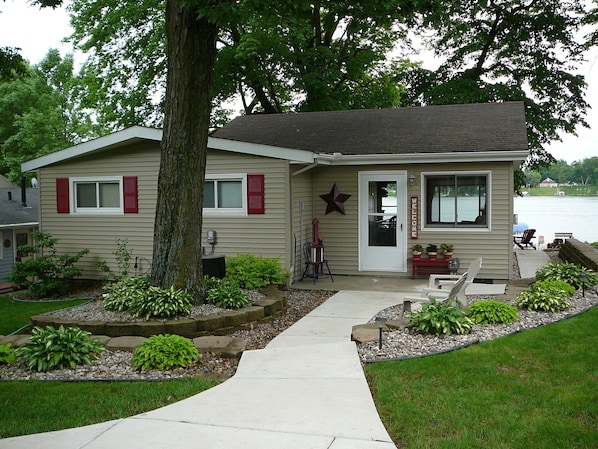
(335, 200)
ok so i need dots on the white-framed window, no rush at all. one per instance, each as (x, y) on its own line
(456, 200)
(102, 195)
(225, 194)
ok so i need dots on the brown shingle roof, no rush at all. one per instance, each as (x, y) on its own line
(431, 129)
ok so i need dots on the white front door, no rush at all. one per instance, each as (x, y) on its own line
(382, 215)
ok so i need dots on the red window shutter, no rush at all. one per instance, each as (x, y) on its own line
(255, 194)
(63, 204)
(131, 204)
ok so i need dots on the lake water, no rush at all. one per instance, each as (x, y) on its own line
(550, 214)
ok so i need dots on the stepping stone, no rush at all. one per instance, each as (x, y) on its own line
(128, 344)
(363, 333)
(226, 346)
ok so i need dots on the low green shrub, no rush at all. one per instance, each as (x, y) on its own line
(123, 293)
(568, 272)
(51, 348)
(250, 271)
(489, 311)
(158, 302)
(227, 294)
(47, 274)
(440, 318)
(546, 296)
(7, 354)
(164, 352)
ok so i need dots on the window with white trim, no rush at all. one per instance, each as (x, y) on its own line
(456, 200)
(225, 194)
(98, 195)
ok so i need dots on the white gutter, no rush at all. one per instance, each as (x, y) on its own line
(19, 225)
(385, 159)
(309, 167)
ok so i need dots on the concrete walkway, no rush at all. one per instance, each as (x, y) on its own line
(306, 389)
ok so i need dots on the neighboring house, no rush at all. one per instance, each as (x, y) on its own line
(18, 221)
(387, 177)
(549, 182)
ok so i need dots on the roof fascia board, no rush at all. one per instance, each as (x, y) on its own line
(255, 149)
(382, 159)
(91, 146)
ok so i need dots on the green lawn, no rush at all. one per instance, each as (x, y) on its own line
(34, 406)
(536, 389)
(16, 314)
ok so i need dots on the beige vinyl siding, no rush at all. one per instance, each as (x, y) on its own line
(340, 232)
(302, 226)
(266, 234)
(99, 233)
(493, 245)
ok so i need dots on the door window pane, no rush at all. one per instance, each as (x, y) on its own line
(382, 213)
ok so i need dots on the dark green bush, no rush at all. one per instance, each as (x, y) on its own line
(568, 272)
(251, 272)
(440, 318)
(51, 348)
(164, 352)
(7, 354)
(489, 311)
(48, 273)
(546, 296)
(227, 294)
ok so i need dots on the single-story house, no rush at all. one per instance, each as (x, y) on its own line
(18, 221)
(548, 182)
(378, 181)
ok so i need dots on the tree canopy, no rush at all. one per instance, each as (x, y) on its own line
(40, 113)
(504, 50)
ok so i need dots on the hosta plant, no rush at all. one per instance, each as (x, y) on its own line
(7, 354)
(51, 348)
(489, 311)
(227, 294)
(164, 352)
(440, 318)
(568, 272)
(161, 303)
(123, 293)
(546, 296)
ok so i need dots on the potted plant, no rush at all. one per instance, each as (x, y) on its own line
(432, 251)
(447, 250)
(417, 251)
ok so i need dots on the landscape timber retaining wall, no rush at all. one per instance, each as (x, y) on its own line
(273, 305)
(580, 253)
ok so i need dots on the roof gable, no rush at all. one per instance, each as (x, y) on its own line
(433, 129)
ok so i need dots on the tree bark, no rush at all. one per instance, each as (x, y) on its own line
(177, 252)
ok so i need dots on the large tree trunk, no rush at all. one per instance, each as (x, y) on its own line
(177, 230)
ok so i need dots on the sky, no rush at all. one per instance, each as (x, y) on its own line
(36, 30)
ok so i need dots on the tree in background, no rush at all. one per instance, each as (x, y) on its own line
(40, 113)
(583, 172)
(504, 50)
(12, 64)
